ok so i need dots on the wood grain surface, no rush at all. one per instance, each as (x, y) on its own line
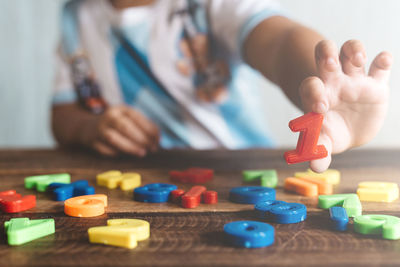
(194, 237)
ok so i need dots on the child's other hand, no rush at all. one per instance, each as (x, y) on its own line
(354, 103)
(121, 129)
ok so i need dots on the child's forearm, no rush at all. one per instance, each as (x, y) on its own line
(283, 51)
(73, 125)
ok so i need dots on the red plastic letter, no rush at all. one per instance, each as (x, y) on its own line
(191, 199)
(12, 202)
(192, 175)
(178, 176)
(210, 197)
(176, 195)
(309, 126)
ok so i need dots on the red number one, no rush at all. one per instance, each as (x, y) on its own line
(309, 126)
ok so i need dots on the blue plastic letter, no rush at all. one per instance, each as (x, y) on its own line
(153, 193)
(339, 218)
(249, 234)
(251, 194)
(281, 211)
(63, 192)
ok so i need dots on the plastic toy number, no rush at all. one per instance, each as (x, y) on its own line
(309, 126)
(23, 230)
(86, 206)
(350, 202)
(339, 218)
(62, 192)
(249, 234)
(251, 194)
(281, 211)
(388, 226)
(120, 232)
(11, 201)
(40, 182)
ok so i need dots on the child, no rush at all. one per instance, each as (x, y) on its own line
(173, 73)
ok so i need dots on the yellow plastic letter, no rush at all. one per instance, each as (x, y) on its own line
(120, 232)
(330, 176)
(378, 191)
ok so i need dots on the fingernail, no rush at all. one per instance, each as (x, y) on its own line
(359, 58)
(322, 107)
(331, 62)
(386, 61)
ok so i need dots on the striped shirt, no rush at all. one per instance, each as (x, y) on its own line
(185, 121)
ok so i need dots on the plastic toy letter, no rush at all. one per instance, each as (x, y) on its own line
(339, 218)
(130, 180)
(109, 179)
(324, 188)
(153, 193)
(113, 179)
(191, 199)
(192, 175)
(22, 230)
(120, 232)
(378, 191)
(86, 206)
(12, 202)
(309, 126)
(374, 224)
(268, 178)
(210, 197)
(301, 187)
(281, 211)
(330, 176)
(251, 194)
(40, 182)
(350, 202)
(62, 192)
(249, 234)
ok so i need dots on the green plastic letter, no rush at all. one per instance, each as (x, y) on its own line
(350, 202)
(42, 181)
(268, 178)
(374, 224)
(23, 230)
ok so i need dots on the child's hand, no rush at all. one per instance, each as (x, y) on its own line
(123, 129)
(354, 104)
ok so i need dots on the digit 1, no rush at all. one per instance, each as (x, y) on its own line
(309, 126)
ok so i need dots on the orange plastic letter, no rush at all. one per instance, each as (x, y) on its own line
(86, 206)
(301, 187)
(324, 188)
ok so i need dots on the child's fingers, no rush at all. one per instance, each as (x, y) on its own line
(123, 144)
(321, 165)
(313, 95)
(353, 58)
(145, 124)
(380, 67)
(326, 57)
(130, 130)
(104, 149)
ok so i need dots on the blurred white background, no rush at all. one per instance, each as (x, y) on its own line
(28, 35)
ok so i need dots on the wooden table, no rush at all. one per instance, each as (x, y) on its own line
(194, 237)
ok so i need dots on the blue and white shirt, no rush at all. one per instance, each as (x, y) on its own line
(185, 121)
